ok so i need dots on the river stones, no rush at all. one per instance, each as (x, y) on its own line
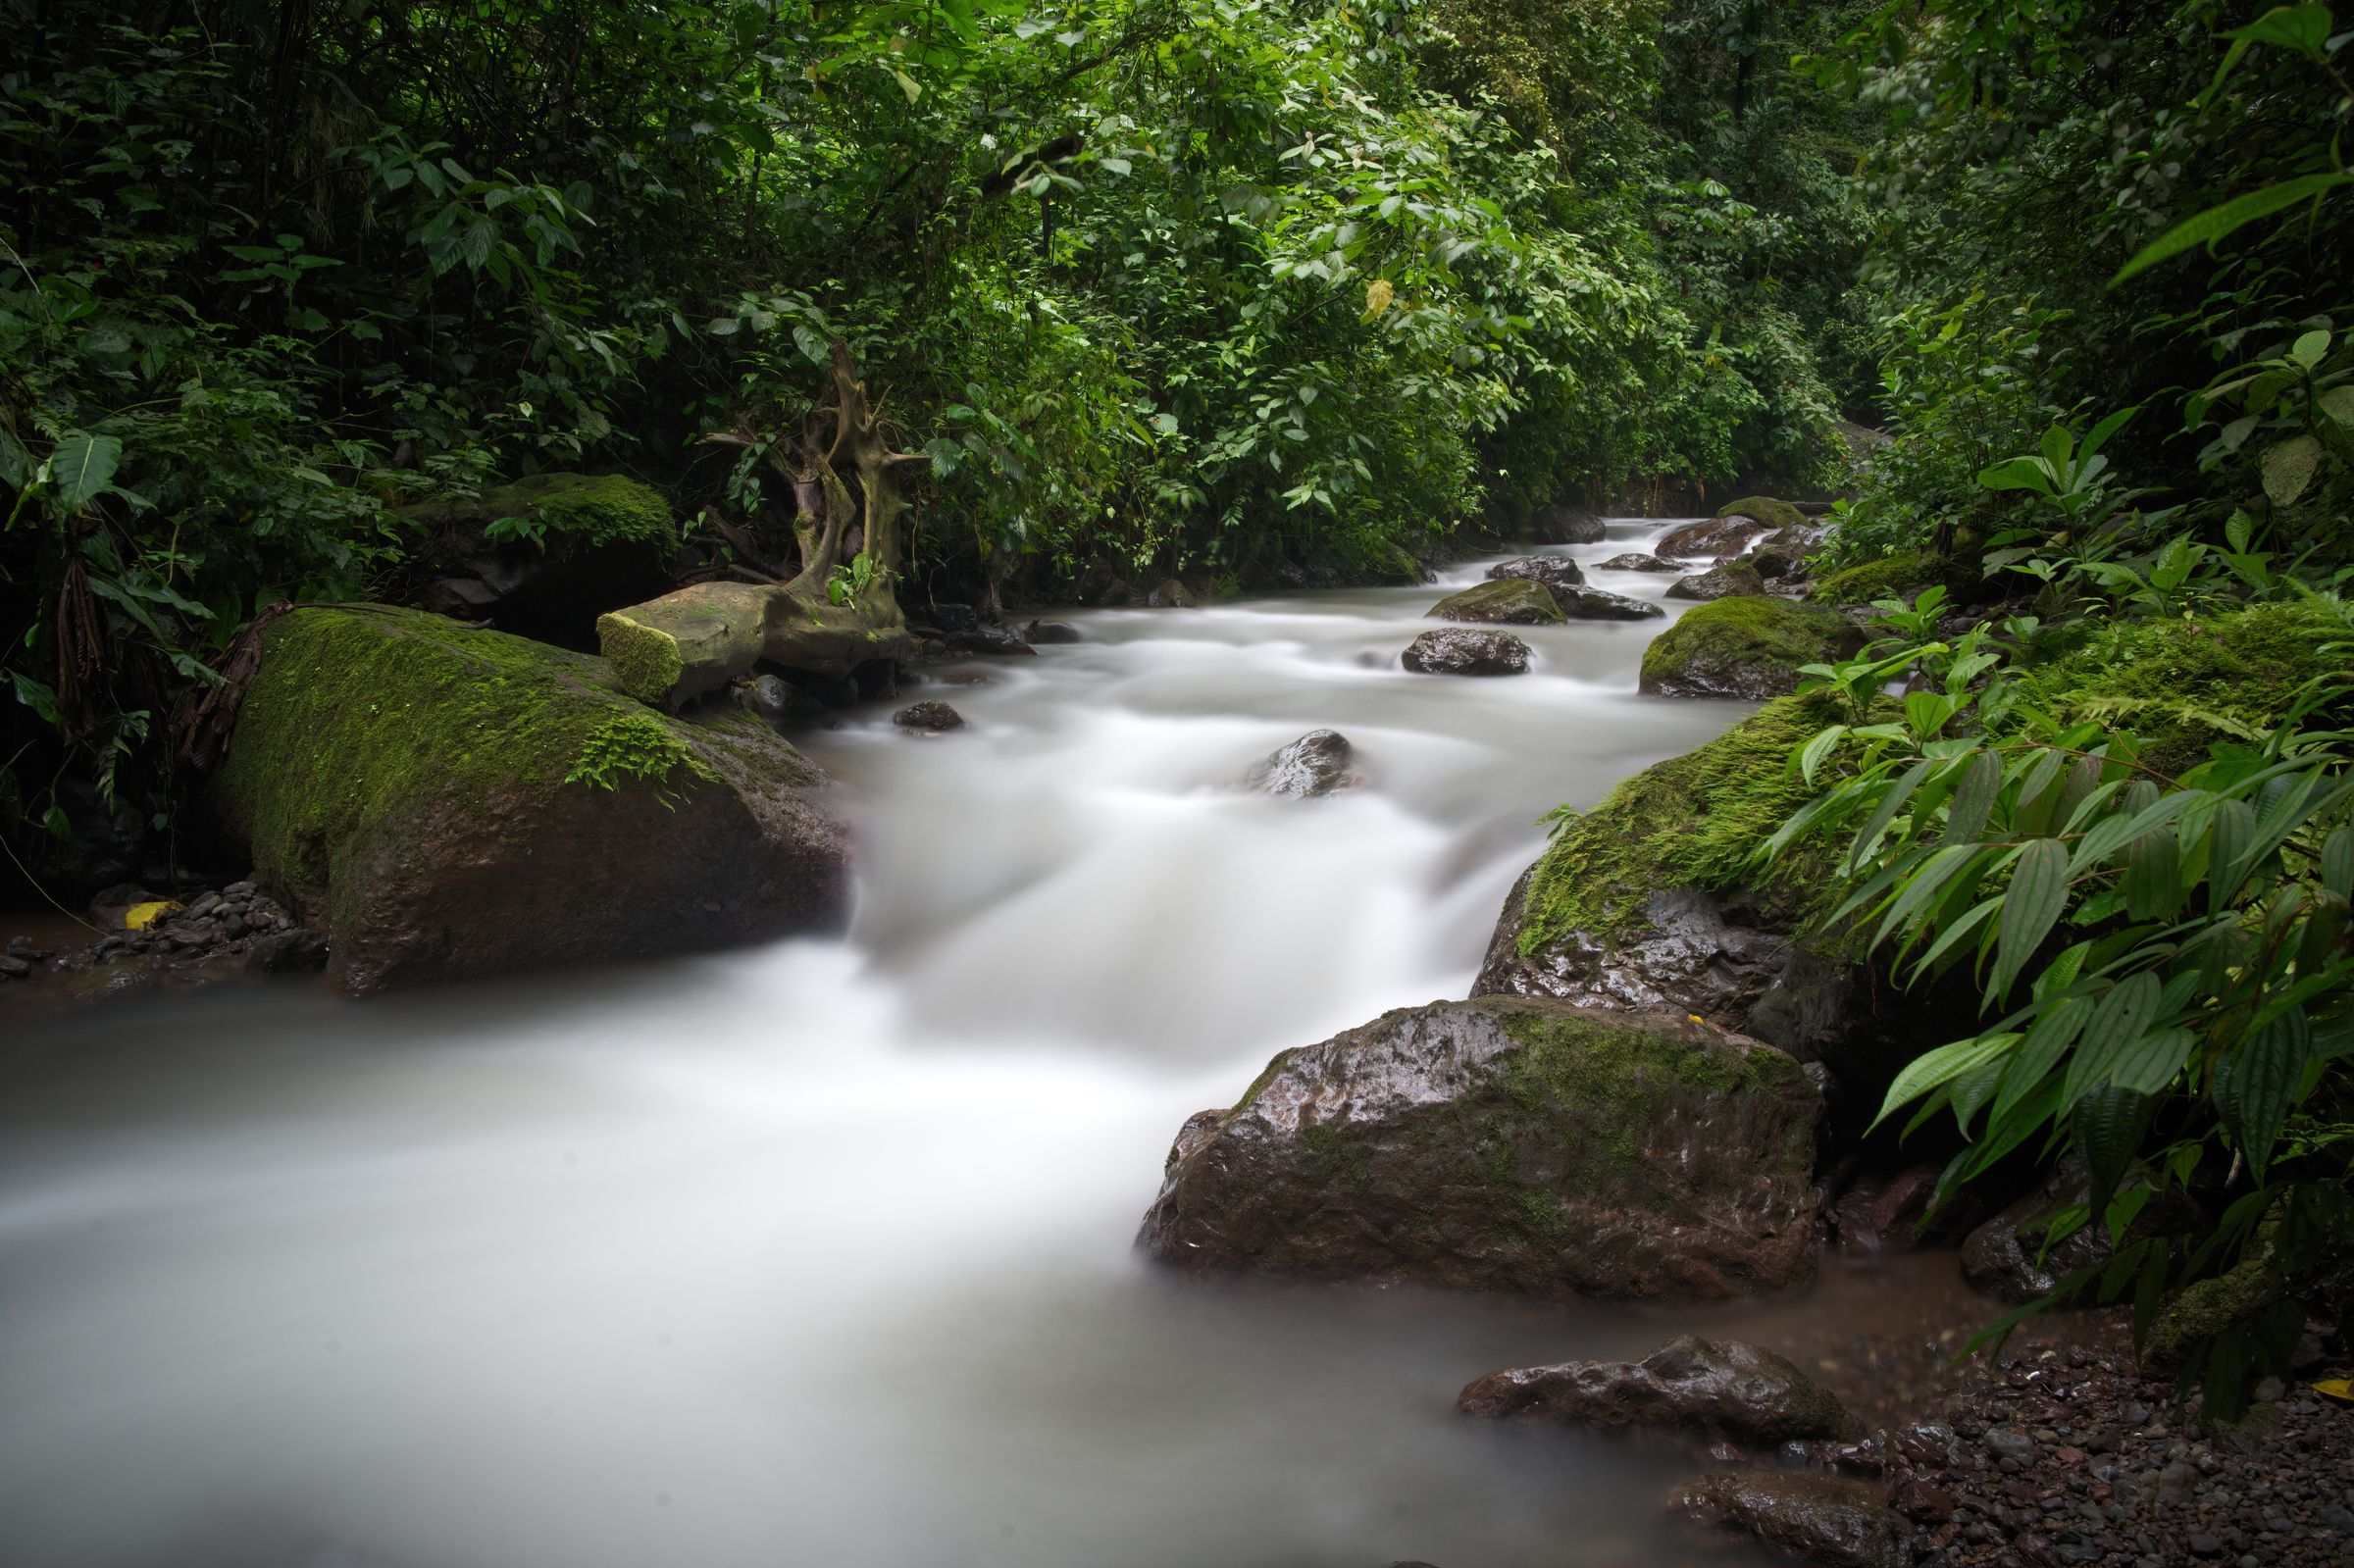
(1749, 647)
(1595, 604)
(1564, 524)
(1643, 563)
(1318, 763)
(1713, 1391)
(1503, 602)
(1824, 1519)
(1713, 537)
(1554, 571)
(1459, 650)
(446, 802)
(1723, 580)
(930, 713)
(1509, 1144)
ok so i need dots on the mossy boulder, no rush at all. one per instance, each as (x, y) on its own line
(2184, 684)
(1767, 510)
(1507, 1144)
(1724, 580)
(1891, 577)
(1503, 602)
(1652, 898)
(444, 802)
(1746, 647)
(545, 555)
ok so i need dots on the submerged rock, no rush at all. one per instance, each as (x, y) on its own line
(1595, 604)
(1503, 602)
(1318, 763)
(1050, 632)
(1643, 563)
(1458, 650)
(1713, 537)
(1554, 571)
(1824, 1519)
(1506, 1144)
(1749, 647)
(444, 802)
(929, 714)
(1716, 1391)
(991, 640)
(1723, 580)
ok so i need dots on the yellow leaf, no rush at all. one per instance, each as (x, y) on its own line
(1696, 1018)
(1378, 294)
(138, 917)
(2337, 1388)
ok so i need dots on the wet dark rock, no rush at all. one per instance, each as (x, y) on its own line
(1783, 552)
(1554, 571)
(1597, 604)
(295, 951)
(1886, 1214)
(1687, 957)
(14, 968)
(23, 948)
(778, 700)
(1841, 1524)
(1644, 563)
(930, 713)
(1923, 1502)
(1711, 1390)
(1172, 594)
(1050, 632)
(1564, 524)
(952, 618)
(1722, 580)
(1505, 601)
(1714, 537)
(993, 641)
(1459, 650)
(1507, 1143)
(1321, 762)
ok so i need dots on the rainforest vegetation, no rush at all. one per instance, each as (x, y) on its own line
(2053, 297)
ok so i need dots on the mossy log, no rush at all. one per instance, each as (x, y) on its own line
(845, 483)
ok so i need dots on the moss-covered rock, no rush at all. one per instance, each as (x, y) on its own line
(545, 555)
(1746, 647)
(2184, 684)
(1892, 577)
(1504, 1143)
(1767, 510)
(1503, 602)
(1652, 898)
(444, 801)
(1723, 580)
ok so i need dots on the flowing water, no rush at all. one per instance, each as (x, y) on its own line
(821, 1253)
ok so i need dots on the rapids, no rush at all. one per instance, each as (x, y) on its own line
(820, 1253)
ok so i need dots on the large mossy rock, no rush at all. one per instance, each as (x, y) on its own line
(544, 556)
(446, 802)
(1726, 579)
(1766, 508)
(1501, 601)
(1891, 577)
(2184, 684)
(1744, 646)
(1509, 1144)
(1651, 898)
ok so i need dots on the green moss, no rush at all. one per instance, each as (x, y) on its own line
(1891, 577)
(2185, 684)
(645, 659)
(1690, 822)
(583, 510)
(637, 747)
(1747, 633)
(2208, 1308)
(360, 716)
(1766, 508)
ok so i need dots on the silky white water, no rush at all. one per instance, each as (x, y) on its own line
(821, 1253)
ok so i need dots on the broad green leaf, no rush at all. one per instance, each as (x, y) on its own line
(2289, 467)
(2228, 841)
(82, 467)
(2119, 1017)
(2304, 29)
(2015, 473)
(2256, 1083)
(2153, 875)
(2338, 403)
(2107, 1125)
(2310, 348)
(2039, 1050)
(2215, 222)
(2337, 862)
(2037, 894)
(1947, 1062)
(1966, 817)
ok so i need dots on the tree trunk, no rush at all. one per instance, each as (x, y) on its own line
(684, 644)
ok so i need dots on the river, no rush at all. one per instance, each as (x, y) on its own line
(821, 1253)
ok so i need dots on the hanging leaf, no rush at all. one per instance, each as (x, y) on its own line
(2107, 1126)
(2038, 893)
(2256, 1084)
(82, 467)
(2216, 221)
(2287, 468)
